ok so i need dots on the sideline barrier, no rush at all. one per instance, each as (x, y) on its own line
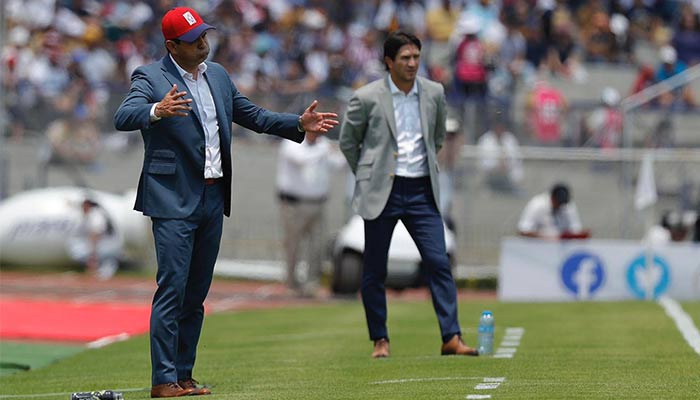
(538, 270)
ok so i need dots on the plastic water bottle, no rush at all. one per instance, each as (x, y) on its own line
(485, 337)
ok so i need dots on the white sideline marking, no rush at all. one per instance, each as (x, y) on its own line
(107, 340)
(488, 383)
(63, 394)
(683, 322)
(409, 380)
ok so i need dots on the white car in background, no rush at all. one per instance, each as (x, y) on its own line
(37, 226)
(404, 269)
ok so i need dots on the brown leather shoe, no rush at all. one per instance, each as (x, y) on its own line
(170, 389)
(381, 348)
(197, 389)
(457, 347)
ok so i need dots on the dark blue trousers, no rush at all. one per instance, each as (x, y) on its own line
(186, 250)
(412, 202)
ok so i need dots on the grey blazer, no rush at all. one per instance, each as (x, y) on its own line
(368, 140)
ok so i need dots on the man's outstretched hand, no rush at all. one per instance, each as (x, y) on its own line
(318, 122)
(173, 104)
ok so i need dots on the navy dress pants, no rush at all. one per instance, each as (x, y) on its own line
(186, 250)
(411, 201)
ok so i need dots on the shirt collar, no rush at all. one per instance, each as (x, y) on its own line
(394, 89)
(200, 68)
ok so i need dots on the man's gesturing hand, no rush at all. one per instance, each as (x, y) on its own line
(173, 104)
(317, 122)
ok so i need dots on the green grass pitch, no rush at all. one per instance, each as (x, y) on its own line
(582, 350)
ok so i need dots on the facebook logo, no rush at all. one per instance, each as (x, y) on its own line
(583, 274)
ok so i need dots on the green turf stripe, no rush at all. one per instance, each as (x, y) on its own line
(16, 356)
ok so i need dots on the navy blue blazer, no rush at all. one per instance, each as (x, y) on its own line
(172, 177)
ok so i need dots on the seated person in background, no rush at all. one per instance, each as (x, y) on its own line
(552, 216)
(96, 244)
(671, 228)
(670, 66)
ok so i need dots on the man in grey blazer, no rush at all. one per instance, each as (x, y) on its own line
(391, 133)
(184, 107)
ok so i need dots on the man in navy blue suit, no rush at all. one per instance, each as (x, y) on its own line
(184, 107)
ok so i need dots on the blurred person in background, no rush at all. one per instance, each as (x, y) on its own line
(545, 112)
(396, 176)
(672, 227)
(686, 38)
(184, 107)
(500, 160)
(604, 126)
(670, 66)
(551, 215)
(448, 159)
(303, 183)
(96, 244)
(441, 20)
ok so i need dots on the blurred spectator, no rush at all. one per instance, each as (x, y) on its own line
(670, 66)
(686, 39)
(500, 159)
(470, 61)
(448, 159)
(604, 125)
(96, 244)
(662, 134)
(560, 38)
(303, 181)
(512, 68)
(644, 79)
(551, 215)
(671, 228)
(441, 20)
(545, 110)
(598, 41)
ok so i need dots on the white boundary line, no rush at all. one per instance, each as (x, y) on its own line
(62, 394)
(409, 380)
(683, 322)
(107, 340)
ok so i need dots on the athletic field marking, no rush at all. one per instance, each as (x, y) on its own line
(683, 322)
(411, 380)
(107, 340)
(63, 394)
(510, 342)
(488, 383)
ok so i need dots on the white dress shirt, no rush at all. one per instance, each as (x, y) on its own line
(412, 161)
(538, 217)
(304, 170)
(201, 93)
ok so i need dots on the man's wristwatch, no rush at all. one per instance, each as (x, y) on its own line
(300, 127)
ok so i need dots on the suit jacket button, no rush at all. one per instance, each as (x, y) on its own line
(201, 148)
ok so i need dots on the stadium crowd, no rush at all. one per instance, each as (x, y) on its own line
(70, 60)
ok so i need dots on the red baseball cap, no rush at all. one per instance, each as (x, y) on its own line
(183, 23)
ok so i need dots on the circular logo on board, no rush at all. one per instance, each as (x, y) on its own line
(583, 274)
(643, 281)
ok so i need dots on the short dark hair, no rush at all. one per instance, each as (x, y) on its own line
(560, 192)
(395, 41)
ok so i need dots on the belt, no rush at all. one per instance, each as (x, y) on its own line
(289, 198)
(211, 181)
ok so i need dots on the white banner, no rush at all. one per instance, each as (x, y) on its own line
(538, 270)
